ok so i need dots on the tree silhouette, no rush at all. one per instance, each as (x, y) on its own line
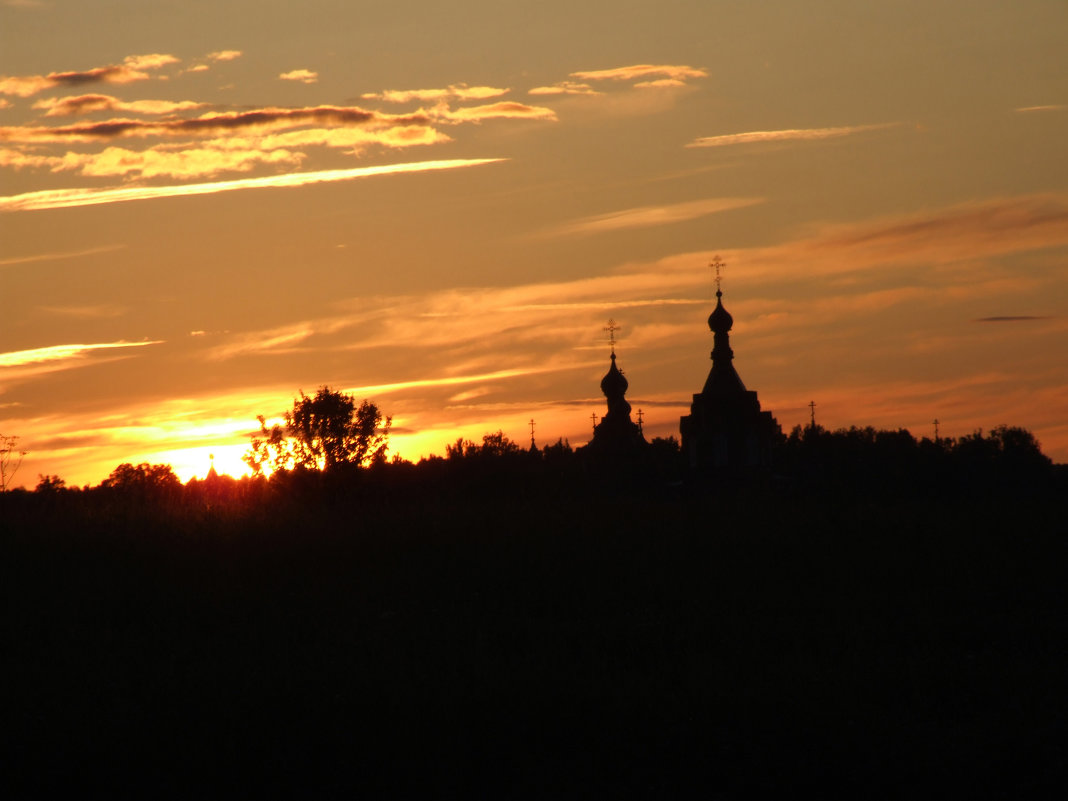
(10, 460)
(321, 433)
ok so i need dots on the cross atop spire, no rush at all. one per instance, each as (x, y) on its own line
(532, 446)
(611, 328)
(717, 264)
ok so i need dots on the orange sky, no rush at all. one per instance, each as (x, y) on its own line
(208, 206)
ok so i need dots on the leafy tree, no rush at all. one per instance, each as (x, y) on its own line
(50, 484)
(321, 433)
(143, 477)
(494, 445)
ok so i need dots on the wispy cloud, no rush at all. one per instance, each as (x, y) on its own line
(785, 135)
(640, 76)
(459, 91)
(224, 55)
(53, 353)
(261, 119)
(564, 88)
(645, 216)
(86, 104)
(67, 254)
(66, 198)
(678, 72)
(1009, 319)
(1043, 108)
(502, 110)
(98, 312)
(301, 75)
(133, 68)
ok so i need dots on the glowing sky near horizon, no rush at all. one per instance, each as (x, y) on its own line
(438, 207)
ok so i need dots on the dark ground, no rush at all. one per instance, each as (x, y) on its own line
(533, 643)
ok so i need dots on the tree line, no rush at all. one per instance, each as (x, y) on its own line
(333, 438)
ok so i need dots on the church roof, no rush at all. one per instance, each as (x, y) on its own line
(614, 382)
(720, 320)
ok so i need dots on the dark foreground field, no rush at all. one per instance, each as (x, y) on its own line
(519, 642)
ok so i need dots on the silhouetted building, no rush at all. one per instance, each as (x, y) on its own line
(725, 428)
(616, 434)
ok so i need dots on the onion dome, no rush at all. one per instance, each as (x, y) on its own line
(614, 383)
(720, 320)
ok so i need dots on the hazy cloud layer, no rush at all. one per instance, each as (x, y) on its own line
(784, 135)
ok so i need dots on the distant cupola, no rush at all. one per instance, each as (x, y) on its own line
(616, 435)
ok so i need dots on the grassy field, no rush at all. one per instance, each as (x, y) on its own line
(477, 639)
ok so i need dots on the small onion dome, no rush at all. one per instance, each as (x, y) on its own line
(614, 382)
(720, 320)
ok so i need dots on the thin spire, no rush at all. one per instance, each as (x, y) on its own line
(718, 264)
(812, 412)
(532, 446)
(611, 328)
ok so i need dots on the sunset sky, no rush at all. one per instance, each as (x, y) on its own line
(206, 206)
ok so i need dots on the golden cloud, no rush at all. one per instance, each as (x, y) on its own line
(564, 88)
(785, 135)
(661, 83)
(63, 352)
(302, 75)
(261, 119)
(455, 91)
(224, 55)
(677, 72)
(503, 110)
(132, 69)
(68, 198)
(85, 104)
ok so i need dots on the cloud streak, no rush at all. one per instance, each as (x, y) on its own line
(67, 198)
(262, 119)
(789, 134)
(87, 104)
(646, 216)
(676, 72)
(453, 92)
(69, 254)
(133, 68)
(54, 353)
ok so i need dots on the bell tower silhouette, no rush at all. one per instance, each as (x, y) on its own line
(726, 429)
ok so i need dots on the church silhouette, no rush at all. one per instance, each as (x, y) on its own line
(725, 432)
